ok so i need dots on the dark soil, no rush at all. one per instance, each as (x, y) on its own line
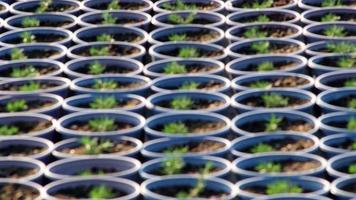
(350, 188)
(119, 146)
(45, 23)
(109, 69)
(338, 124)
(348, 33)
(130, 103)
(271, 31)
(29, 127)
(197, 20)
(20, 150)
(195, 36)
(84, 126)
(81, 192)
(120, 21)
(201, 147)
(13, 87)
(288, 145)
(343, 17)
(343, 101)
(196, 68)
(17, 172)
(123, 5)
(199, 104)
(42, 70)
(95, 170)
(38, 53)
(51, 8)
(127, 86)
(31, 104)
(206, 194)
(276, 3)
(17, 192)
(256, 101)
(273, 17)
(201, 52)
(39, 37)
(204, 86)
(284, 82)
(291, 166)
(281, 65)
(114, 50)
(262, 190)
(187, 169)
(331, 62)
(207, 6)
(338, 83)
(285, 125)
(118, 37)
(199, 126)
(274, 49)
(347, 145)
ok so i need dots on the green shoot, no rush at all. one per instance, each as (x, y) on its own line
(44, 5)
(352, 103)
(346, 63)
(101, 192)
(262, 18)
(341, 47)
(93, 146)
(96, 68)
(273, 123)
(27, 37)
(28, 71)
(177, 19)
(268, 167)
(350, 83)
(103, 103)
(260, 84)
(114, 5)
(188, 52)
(274, 100)
(331, 3)
(175, 128)
(105, 85)
(254, 33)
(282, 187)
(28, 22)
(17, 54)
(175, 68)
(265, 66)
(16, 106)
(261, 47)
(182, 103)
(105, 38)
(8, 130)
(102, 124)
(177, 150)
(259, 5)
(353, 146)
(352, 169)
(189, 85)
(108, 18)
(99, 51)
(351, 124)
(173, 164)
(262, 148)
(179, 5)
(330, 18)
(335, 31)
(30, 87)
(177, 37)
(88, 172)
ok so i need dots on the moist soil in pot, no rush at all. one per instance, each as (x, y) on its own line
(348, 33)
(80, 192)
(120, 104)
(187, 169)
(38, 38)
(276, 3)
(263, 189)
(17, 172)
(332, 62)
(273, 17)
(40, 53)
(346, 145)
(50, 8)
(284, 82)
(343, 101)
(40, 70)
(285, 145)
(207, 6)
(17, 87)
(198, 126)
(195, 68)
(204, 86)
(124, 85)
(46, 23)
(119, 21)
(29, 127)
(108, 69)
(284, 125)
(20, 150)
(84, 126)
(196, 20)
(201, 53)
(17, 192)
(292, 166)
(194, 36)
(122, 37)
(339, 83)
(343, 17)
(198, 104)
(127, 5)
(113, 50)
(206, 193)
(31, 105)
(274, 32)
(257, 101)
(281, 65)
(196, 147)
(273, 49)
(96, 171)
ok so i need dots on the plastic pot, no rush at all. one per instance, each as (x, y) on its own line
(327, 63)
(34, 188)
(315, 32)
(329, 101)
(340, 188)
(93, 5)
(321, 48)
(334, 80)
(315, 15)
(30, 6)
(217, 6)
(332, 145)
(237, 6)
(336, 122)
(293, 197)
(4, 10)
(338, 165)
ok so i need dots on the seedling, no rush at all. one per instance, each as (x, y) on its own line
(179, 5)
(8, 130)
(353, 146)
(175, 68)
(254, 33)
(262, 18)
(177, 150)
(335, 31)
(274, 100)
(30, 22)
(114, 5)
(92, 146)
(16, 106)
(352, 103)
(177, 37)
(182, 103)
(88, 172)
(29, 87)
(173, 164)
(259, 5)
(105, 38)
(330, 18)
(346, 62)
(265, 66)
(99, 51)
(352, 169)
(341, 47)
(350, 83)
(108, 18)
(351, 124)
(260, 84)
(175, 128)
(262, 148)
(104, 103)
(177, 19)
(105, 85)
(96, 68)
(261, 47)
(331, 3)
(28, 71)
(102, 124)
(189, 85)
(188, 52)
(17, 54)
(273, 123)
(101, 192)
(44, 5)
(268, 167)
(282, 187)
(27, 37)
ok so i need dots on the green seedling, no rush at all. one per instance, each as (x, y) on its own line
(102, 124)
(261, 47)
(92, 146)
(188, 52)
(341, 47)
(346, 63)
(189, 85)
(44, 5)
(175, 128)
(173, 164)
(16, 106)
(350, 83)
(353, 146)
(273, 123)
(259, 4)
(182, 103)
(179, 5)
(262, 148)
(282, 187)
(260, 84)
(96, 68)
(352, 103)
(9, 130)
(17, 54)
(27, 37)
(177, 37)
(330, 18)
(268, 167)
(28, 71)
(175, 68)
(88, 172)
(254, 33)
(274, 100)
(104, 103)
(105, 38)
(105, 85)
(30, 87)
(351, 124)
(177, 150)
(114, 5)
(28, 22)
(262, 19)
(177, 19)
(265, 66)
(351, 169)
(99, 51)
(108, 18)
(101, 192)
(331, 3)
(335, 31)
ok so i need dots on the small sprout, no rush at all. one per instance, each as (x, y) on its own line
(274, 100)
(353, 146)
(28, 71)
(175, 128)
(44, 5)
(352, 103)
(189, 85)
(351, 124)
(177, 150)
(261, 47)
(104, 103)
(262, 148)
(28, 22)
(260, 84)
(177, 19)
(96, 68)
(331, 3)
(273, 123)
(179, 5)
(330, 18)
(17, 54)
(254, 33)
(335, 31)
(114, 5)
(177, 37)
(352, 169)
(105, 85)
(265, 66)
(173, 164)
(188, 52)
(99, 51)
(350, 83)
(175, 68)
(182, 103)
(282, 187)
(105, 38)
(259, 4)
(341, 47)
(346, 63)
(268, 167)
(92, 146)
(29, 87)
(102, 124)
(88, 172)
(108, 18)
(262, 18)
(16, 106)
(27, 37)
(101, 192)
(8, 130)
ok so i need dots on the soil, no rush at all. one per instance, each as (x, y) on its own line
(338, 124)
(281, 65)
(343, 17)
(201, 147)
(272, 32)
(195, 36)
(343, 101)
(196, 68)
(120, 21)
(257, 101)
(207, 6)
(45, 23)
(348, 33)
(331, 62)
(29, 127)
(130, 103)
(12, 87)
(80, 192)
(276, 3)
(201, 52)
(206, 194)
(285, 125)
(120, 146)
(17, 172)
(291, 166)
(84, 126)
(199, 127)
(95, 170)
(118, 37)
(39, 37)
(114, 50)
(273, 17)
(274, 49)
(31, 104)
(109, 69)
(42, 70)
(347, 145)
(197, 20)
(285, 82)
(17, 192)
(187, 169)
(205, 86)
(36, 53)
(288, 145)
(350, 188)
(123, 5)
(262, 190)
(338, 83)
(51, 8)
(20, 150)
(198, 104)
(127, 86)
